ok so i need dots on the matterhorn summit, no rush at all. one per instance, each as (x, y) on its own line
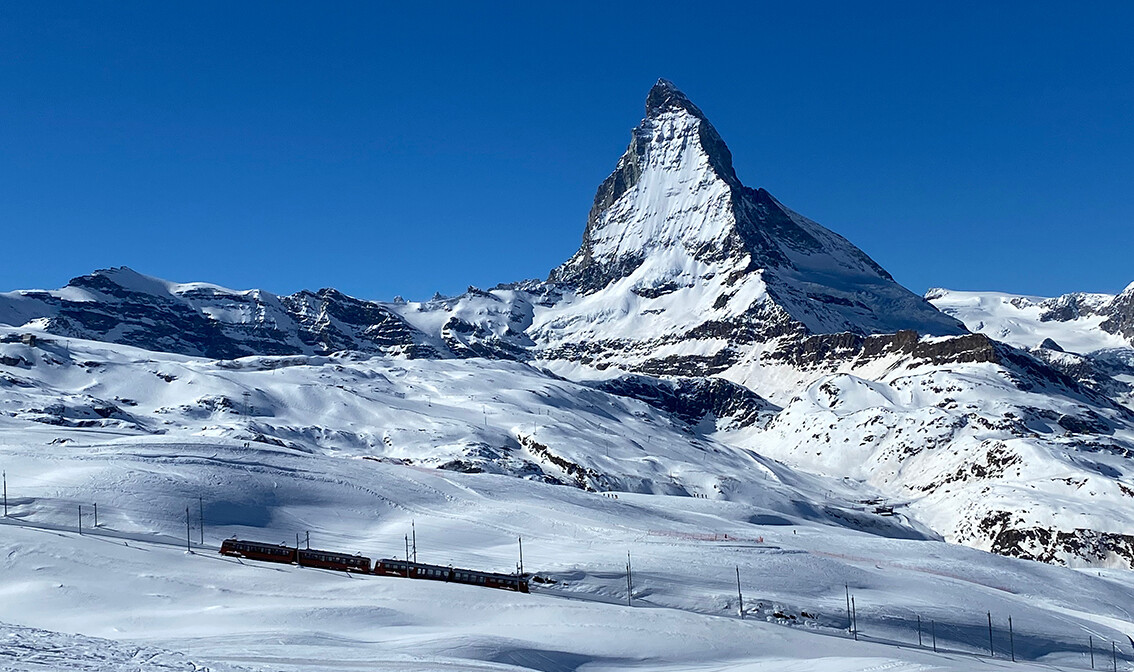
(677, 248)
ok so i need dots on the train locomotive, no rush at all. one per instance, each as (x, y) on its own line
(255, 550)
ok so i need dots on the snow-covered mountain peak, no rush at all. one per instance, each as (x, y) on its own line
(671, 190)
(676, 247)
(664, 96)
(667, 101)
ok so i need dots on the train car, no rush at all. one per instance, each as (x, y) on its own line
(491, 580)
(309, 557)
(392, 567)
(433, 572)
(255, 550)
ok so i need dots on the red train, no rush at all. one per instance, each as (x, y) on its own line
(305, 557)
(255, 550)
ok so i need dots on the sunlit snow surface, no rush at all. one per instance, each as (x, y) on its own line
(120, 585)
(1018, 320)
(128, 596)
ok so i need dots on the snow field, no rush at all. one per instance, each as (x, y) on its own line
(264, 616)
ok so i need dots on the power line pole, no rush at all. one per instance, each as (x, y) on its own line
(991, 652)
(407, 557)
(5, 494)
(854, 618)
(933, 632)
(80, 519)
(201, 511)
(1091, 644)
(413, 529)
(850, 625)
(919, 629)
(1114, 656)
(308, 542)
(96, 515)
(1011, 640)
(188, 536)
(521, 540)
(739, 595)
(629, 581)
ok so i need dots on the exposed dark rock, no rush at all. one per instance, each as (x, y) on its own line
(1120, 315)
(689, 365)
(1088, 422)
(584, 477)
(691, 400)
(1049, 344)
(1010, 535)
(466, 340)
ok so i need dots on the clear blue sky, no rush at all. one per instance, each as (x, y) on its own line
(415, 147)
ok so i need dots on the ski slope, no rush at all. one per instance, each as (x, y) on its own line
(132, 582)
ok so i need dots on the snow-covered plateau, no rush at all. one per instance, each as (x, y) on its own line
(806, 466)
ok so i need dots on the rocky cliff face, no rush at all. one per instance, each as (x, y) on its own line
(120, 305)
(1120, 315)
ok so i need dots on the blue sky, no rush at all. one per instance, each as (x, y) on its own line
(408, 148)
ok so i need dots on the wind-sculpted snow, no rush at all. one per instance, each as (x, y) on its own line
(24, 649)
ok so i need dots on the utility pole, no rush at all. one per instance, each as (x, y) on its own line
(1114, 656)
(407, 557)
(1091, 644)
(308, 542)
(80, 519)
(201, 516)
(188, 537)
(854, 618)
(629, 582)
(919, 629)
(739, 595)
(933, 631)
(521, 540)
(96, 515)
(850, 624)
(5, 494)
(1011, 641)
(991, 652)
(413, 529)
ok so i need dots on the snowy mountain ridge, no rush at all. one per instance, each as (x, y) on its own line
(1078, 322)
